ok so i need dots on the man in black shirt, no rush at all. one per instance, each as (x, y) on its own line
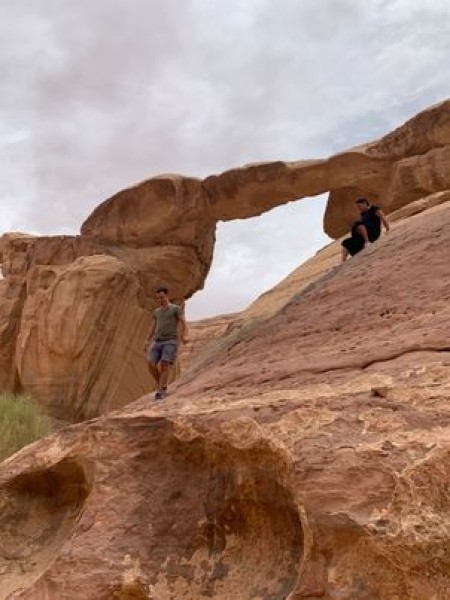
(366, 230)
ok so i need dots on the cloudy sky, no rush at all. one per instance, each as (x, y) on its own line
(99, 94)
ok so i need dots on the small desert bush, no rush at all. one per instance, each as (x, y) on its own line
(21, 422)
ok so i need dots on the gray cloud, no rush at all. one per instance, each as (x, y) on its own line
(253, 256)
(99, 94)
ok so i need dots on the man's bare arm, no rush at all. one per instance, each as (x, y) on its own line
(182, 328)
(151, 333)
(383, 218)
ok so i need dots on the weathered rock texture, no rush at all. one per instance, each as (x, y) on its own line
(403, 166)
(75, 309)
(307, 457)
(348, 295)
(206, 335)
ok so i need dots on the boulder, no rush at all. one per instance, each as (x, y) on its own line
(82, 350)
(165, 210)
(307, 456)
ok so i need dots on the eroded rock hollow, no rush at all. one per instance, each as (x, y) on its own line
(204, 513)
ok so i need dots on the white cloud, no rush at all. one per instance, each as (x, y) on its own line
(253, 256)
(98, 94)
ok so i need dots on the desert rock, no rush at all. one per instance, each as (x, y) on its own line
(207, 334)
(162, 231)
(324, 319)
(89, 317)
(306, 457)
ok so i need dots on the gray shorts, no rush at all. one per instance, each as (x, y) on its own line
(163, 352)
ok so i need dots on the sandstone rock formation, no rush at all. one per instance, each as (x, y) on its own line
(307, 457)
(206, 335)
(423, 236)
(403, 166)
(75, 309)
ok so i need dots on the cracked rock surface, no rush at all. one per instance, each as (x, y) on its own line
(304, 455)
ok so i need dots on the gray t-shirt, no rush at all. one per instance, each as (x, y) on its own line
(167, 323)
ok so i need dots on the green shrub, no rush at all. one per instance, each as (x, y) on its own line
(21, 422)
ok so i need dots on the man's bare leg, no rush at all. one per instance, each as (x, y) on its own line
(361, 229)
(164, 376)
(154, 372)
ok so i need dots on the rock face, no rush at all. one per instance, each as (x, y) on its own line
(75, 312)
(171, 538)
(403, 166)
(75, 309)
(206, 335)
(93, 304)
(316, 326)
(307, 457)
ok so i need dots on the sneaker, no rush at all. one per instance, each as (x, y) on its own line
(160, 395)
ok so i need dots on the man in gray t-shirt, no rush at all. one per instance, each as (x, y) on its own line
(167, 326)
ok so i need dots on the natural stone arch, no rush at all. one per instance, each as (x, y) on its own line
(163, 231)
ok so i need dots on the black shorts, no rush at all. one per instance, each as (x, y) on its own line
(354, 244)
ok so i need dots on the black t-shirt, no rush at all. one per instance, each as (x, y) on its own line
(372, 222)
